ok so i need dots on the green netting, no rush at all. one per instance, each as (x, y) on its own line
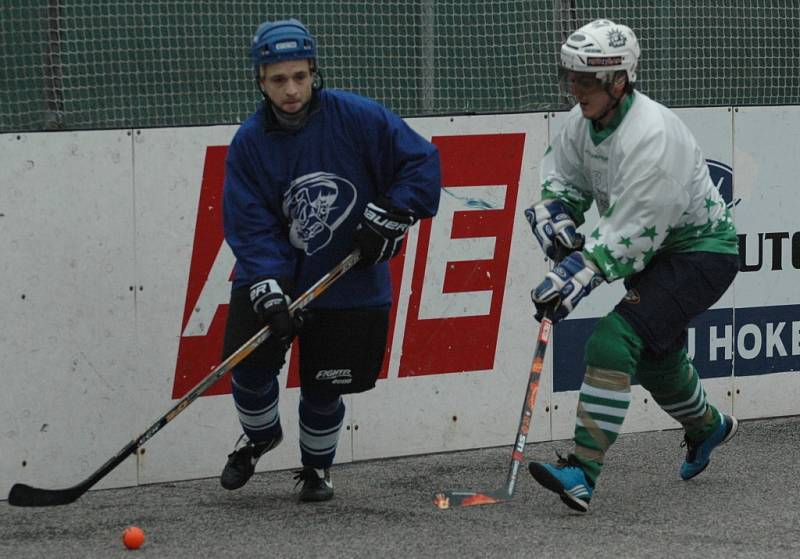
(114, 64)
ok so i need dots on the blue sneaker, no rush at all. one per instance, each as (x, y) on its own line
(698, 453)
(566, 478)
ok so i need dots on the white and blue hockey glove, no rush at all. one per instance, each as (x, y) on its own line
(271, 305)
(381, 232)
(551, 223)
(564, 287)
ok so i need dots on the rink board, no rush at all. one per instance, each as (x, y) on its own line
(115, 279)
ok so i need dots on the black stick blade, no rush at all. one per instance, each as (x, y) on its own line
(452, 499)
(22, 495)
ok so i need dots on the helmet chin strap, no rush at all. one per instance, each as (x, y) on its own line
(289, 121)
(613, 104)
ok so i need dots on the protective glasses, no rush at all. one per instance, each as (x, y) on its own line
(579, 82)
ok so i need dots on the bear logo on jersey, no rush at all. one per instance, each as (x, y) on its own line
(315, 205)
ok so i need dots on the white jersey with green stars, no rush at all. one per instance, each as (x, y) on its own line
(649, 180)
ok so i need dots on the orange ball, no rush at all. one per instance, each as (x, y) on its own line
(133, 537)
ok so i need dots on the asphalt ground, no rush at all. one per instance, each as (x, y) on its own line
(743, 505)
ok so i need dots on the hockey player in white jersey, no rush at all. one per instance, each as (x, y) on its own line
(664, 229)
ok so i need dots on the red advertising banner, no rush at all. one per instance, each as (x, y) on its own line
(480, 175)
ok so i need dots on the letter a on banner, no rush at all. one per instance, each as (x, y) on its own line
(206, 307)
(208, 291)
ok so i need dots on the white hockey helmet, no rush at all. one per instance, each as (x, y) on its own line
(603, 48)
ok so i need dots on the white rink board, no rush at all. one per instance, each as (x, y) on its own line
(767, 335)
(70, 394)
(122, 281)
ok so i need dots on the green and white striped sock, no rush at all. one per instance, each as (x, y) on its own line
(675, 386)
(603, 402)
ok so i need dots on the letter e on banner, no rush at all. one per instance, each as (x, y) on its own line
(462, 257)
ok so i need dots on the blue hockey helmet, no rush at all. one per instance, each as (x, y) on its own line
(276, 41)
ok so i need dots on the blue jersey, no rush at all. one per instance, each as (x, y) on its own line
(292, 199)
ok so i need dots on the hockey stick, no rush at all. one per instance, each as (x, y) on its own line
(22, 495)
(454, 498)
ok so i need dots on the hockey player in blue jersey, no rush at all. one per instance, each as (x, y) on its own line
(310, 176)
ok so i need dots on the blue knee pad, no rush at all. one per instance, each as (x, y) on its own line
(322, 404)
(255, 393)
(254, 382)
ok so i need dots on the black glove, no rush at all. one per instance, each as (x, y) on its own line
(381, 232)
(272, 306)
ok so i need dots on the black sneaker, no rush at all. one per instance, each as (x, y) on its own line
(242, 461)
(317, 485)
